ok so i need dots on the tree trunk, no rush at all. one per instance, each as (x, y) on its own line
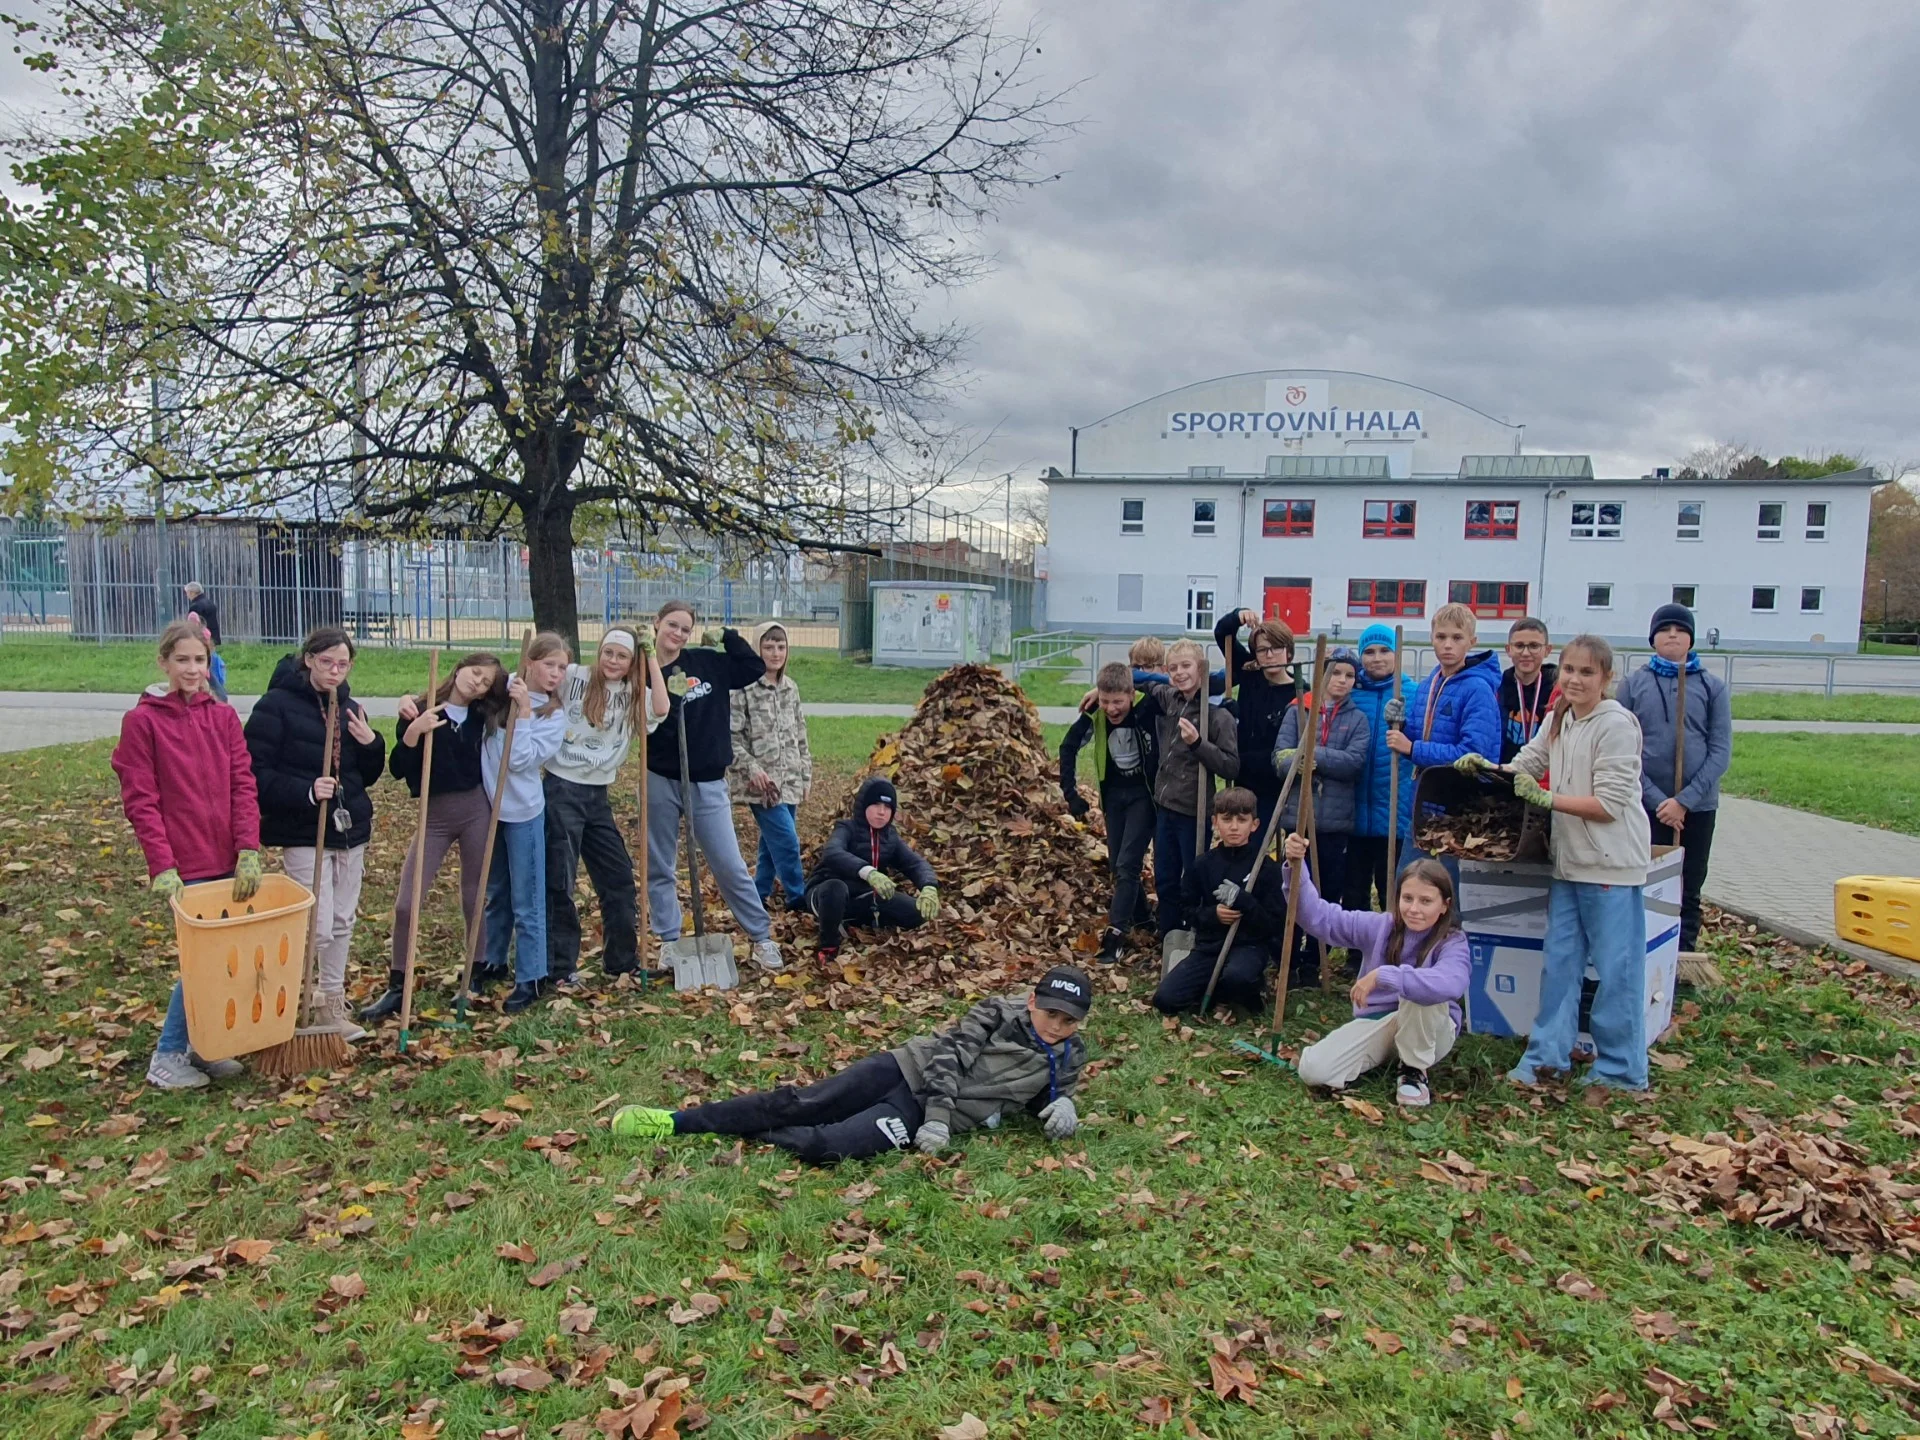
(550, 572)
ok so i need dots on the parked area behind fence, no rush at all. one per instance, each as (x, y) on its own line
(274, 580)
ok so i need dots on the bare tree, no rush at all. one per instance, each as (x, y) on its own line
(538, 264)
(1715, 461)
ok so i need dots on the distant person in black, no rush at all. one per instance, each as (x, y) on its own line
(200, 603)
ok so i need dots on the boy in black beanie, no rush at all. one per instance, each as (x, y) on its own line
(850, 880)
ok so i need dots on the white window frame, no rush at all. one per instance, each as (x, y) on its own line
(1819, 531)
(1213, 525)
(1605, 604)
(1210, 585)
(1693, 594)
(1753, 599)
(1761, 529)
(1819, 593)
(1594, 528)
(1120, 593)
(1681, 529)
(1139, 527)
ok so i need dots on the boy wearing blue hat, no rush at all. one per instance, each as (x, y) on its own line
(1373, 697)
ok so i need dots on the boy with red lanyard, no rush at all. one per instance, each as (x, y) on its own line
(1527, 689)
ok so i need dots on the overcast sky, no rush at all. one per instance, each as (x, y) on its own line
(1635, 228)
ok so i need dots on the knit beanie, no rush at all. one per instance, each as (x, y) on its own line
(1671, 615)
(1376, 635)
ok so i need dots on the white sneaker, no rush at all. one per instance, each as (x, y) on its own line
(216, 1069)
(766, 954)
(173, 1072)
(1413, 1091)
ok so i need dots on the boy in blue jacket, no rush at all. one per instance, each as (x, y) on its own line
(1373, 697)
(1455, 712)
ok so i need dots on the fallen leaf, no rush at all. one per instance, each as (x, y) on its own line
(38, 1059)
(1365, 1109)
(1655, 1325)
(522, 1252)
(249, 1252)
(1878, 1373)
(553, 1270)
(522, 1377)
(347, 1287)
(1156, 1410)
(1232, 1378)
(968, 1427)
(1384, 1342)
(1579, 1287)
(577, 1319)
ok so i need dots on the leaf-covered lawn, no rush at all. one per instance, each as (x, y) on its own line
(340, 1257)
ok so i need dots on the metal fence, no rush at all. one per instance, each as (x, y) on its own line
(928, 541)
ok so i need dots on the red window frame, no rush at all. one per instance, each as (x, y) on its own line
(1489, 525)
(1408, 599)
(1388, 526)
(1502, 606)
(1285, 524)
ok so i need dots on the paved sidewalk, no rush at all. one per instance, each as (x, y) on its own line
(1776, 867)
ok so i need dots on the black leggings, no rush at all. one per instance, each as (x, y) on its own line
(836, 907)
(863, 1111)
(1241, 979)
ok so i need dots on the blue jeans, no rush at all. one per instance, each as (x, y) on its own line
(1172, 853)
(517, 898)
(1604, 925)
(779, 853)
(173, 1030)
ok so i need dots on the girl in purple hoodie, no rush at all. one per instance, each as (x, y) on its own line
(1407, 1007)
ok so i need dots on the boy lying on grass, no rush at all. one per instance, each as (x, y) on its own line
(1013, 1050)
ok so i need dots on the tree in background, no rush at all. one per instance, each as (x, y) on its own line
(620, 262)
(1893, 553)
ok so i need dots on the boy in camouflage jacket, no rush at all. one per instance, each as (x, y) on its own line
(772, 768)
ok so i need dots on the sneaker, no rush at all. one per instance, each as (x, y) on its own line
(330, 1010)
(827, 957)
(638, 1122)
(1112, 946)
(522, 995)
(215, 1069)
(485, 975)
(766, 954)
(174, 1072)
(1413, 1089)
(387, 1004)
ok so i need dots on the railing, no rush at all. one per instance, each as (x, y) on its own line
(1049, 649)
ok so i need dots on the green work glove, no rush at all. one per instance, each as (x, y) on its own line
(927, 902)
(167, 884)
(882, 884)
(643, 633)
(712, 635)
(246, 875)
(1526, 788)
(1282, 759)
(1472, 764)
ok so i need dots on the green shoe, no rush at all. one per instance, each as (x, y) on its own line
(637, 1122)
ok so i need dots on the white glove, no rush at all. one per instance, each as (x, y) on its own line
(1060, 1118)
(932, 1137)
(1228, 894)
(1395, 711)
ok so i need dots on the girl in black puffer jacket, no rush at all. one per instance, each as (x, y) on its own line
(287, 738)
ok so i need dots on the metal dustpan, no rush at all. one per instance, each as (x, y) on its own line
(698, 959)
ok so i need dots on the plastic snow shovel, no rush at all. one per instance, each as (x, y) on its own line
(698, 959)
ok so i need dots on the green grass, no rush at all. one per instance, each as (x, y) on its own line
(1761, 705)
(1869, 779)
(1204, 1197)
(1881, 647)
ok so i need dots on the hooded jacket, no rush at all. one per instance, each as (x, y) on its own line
(186, 783)
(704, 709)
(1452, 715)
(287, 738)
(1261, 708)
(770, 737)
(1176, 782)
(1094, 725)
(967, 1074)
(854, 845)
(1597, 756)
(1340, 755)
(1653, 699)
(1373, 787)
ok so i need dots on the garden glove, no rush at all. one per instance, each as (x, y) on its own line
(882, 884)
(932, 1137)
(1060, 1118)
(713, 635)
(1472, 764)
(1526, 788)
(1228, 894)
(246, 875)
(643, 634)
(927, 902)
(1283, 759)
(1395, 712)
(1077, 805)
(167, 884)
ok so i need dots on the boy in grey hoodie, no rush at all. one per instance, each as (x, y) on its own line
(1013, 1050)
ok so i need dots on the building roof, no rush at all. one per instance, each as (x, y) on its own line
(1371, 470)
(1526, 467)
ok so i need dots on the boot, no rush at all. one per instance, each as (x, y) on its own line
(389, 1003)
(330, 1013)
(523, 995)
(1112, 947)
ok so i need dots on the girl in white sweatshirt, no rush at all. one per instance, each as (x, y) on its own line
(517, 881)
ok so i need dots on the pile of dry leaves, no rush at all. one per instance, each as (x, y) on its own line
(1789, 1180)
(1488, 827)
(1022, 884)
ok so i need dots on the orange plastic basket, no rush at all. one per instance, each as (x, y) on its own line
(240, 963)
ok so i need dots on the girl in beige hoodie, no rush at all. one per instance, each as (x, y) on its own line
(1591, 749)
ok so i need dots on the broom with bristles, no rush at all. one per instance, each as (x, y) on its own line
(314, 1046)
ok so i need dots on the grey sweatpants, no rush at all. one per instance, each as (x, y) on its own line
(713, 832)
(457, 819)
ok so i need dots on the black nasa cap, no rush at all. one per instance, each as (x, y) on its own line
(1065, 989)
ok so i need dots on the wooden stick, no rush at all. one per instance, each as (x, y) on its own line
(477, 925)
(1309, 826)
(1393, 775)
(1310, 727)
(419, 861)
(1203, 781)
(310, 980)
(1679, 737)
(646, 842)
(1266, 844)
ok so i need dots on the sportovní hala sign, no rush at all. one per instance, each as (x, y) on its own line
(1294, 407)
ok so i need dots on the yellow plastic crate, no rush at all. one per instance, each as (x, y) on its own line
(240, 963)
(1882, 911)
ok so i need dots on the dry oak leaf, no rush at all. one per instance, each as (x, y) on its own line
(522, 1252)
(814, 1397)
(1655, 1325)
(1232, 1378)
(248, 1252)
(1579, 1287)
(577, 1319)
(968, 1427)
(1156, 1410)
(1365, 1109)
(522, 1377)
(1384, 1342)
(699, 1306)
(38, 1059)
(347, 1287)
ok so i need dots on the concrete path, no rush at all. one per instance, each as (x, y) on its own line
(1777, 867)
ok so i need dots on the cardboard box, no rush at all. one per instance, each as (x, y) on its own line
(1504, 907)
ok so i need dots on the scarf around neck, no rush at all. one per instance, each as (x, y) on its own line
(1666, 668)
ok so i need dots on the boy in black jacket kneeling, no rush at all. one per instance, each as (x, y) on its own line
(1019, 1050)
(1214, 893)
(850, 880)
(1125, 758)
